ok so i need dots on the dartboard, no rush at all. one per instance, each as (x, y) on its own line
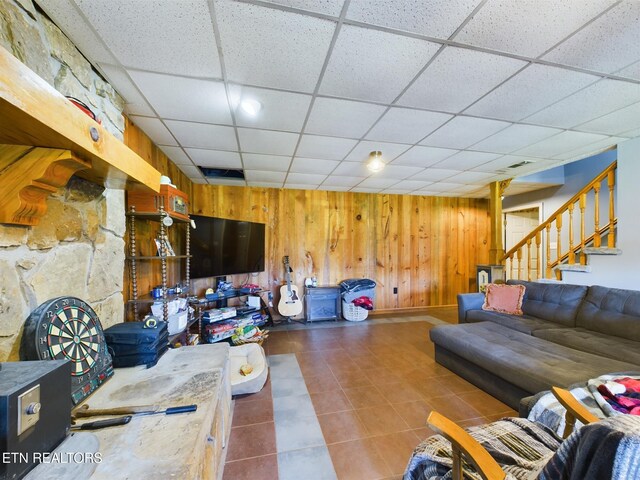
(68, 328)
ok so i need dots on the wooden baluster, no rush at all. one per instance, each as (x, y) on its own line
(611, 182)
(559, 237)
(548, 259)
(597, 240)
(539, 255)
(519, 263)
(572, 254)
(582, 204)
(511, 266)
(529, 259)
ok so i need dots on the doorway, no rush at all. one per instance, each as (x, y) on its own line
(518, 223)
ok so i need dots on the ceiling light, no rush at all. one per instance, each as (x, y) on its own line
(375, 163)
(250, 106)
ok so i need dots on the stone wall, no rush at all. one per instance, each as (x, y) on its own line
(78, 247)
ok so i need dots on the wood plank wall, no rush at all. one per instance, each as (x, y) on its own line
(427, 247)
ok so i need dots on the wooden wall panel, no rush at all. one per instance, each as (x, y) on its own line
(427, 247)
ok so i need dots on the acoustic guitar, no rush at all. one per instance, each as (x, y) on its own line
(290, 304)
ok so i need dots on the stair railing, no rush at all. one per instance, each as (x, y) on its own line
(583, 200)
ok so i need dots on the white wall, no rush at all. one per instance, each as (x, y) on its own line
(621, 271)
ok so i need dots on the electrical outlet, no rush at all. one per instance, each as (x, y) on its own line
(395, 290)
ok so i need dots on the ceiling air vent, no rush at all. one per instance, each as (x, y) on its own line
(516, 165)
(234, 173)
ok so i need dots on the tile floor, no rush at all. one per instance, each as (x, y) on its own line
(348, 402)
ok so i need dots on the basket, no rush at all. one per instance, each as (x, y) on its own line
(352, 313)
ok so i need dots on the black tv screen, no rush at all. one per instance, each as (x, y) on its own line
(226, 247)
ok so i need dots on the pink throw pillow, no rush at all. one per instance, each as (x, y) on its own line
(504, 298)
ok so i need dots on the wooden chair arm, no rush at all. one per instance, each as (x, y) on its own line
(575, 410)
(461, 441)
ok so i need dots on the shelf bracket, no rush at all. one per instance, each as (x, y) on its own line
(28, 175)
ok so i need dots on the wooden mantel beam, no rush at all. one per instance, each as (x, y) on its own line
(34, 114)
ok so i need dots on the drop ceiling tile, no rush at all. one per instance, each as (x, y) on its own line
(366, 190)
(400, 172)
(305, 178)
(443, 187)
(272, 48)
(616, 122)
(199, 181)
(280, 110)
(412, 184)
(527, 27)
(423, 156)
(341, 181)
(631, 71)
(514, 137)
(536, 87)
(389, 150)
(435, 18)
(155, 129)
(561, 143)
(342, 118)
(591, 149)
(351, 169)
(264, 176)
(463, 189)
(466, 160)
(66, 16)
(214, 158)
(631, 133)
(167, 37)
(328, 7)
(191, 171)
(458, 77)
(330, 148)
(396, 191)
(359, 64)
(377, 181)
(267, 141)
(461, 132)
(181, 98)
(276, 163)
(604, 44)
(434, 174)
(227, 181)
(300, 186)
(501, 164)
(330, 188)
(592, 102)
(176, 155)
(313, 165)
(202, 135)
(406, 125)
(472, 179)
(265, 184)
(120, 81)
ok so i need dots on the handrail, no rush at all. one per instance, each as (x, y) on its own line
(596, 181)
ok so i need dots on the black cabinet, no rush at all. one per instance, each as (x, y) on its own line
(322, 303)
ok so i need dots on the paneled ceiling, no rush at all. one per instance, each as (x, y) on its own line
(453, 92)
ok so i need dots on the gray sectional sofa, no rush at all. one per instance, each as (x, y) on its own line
(567, 334)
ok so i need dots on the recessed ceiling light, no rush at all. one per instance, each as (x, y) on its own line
(250, 106)
(375, 163)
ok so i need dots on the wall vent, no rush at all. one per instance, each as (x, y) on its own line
(516, 165)
(234, 173)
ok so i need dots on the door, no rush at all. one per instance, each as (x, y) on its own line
(517, 225)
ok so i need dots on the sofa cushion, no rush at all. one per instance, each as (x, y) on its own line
(504, 298)
(521, 323)
(554, 302)
(531, 363)
(611, 311)
(593, 342)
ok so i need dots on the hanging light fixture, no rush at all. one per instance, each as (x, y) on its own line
(375, 163)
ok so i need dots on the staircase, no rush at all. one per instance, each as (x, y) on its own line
(580, 213)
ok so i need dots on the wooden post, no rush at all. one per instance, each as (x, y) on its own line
(582, 204)
(611, 182)
(529, 260)
(519, 253)
(572, 254)
(548, 259)
(496, 245)
(597, 240)
(539, 257)
(558, 237)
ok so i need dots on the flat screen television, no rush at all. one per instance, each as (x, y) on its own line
(226, 247)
